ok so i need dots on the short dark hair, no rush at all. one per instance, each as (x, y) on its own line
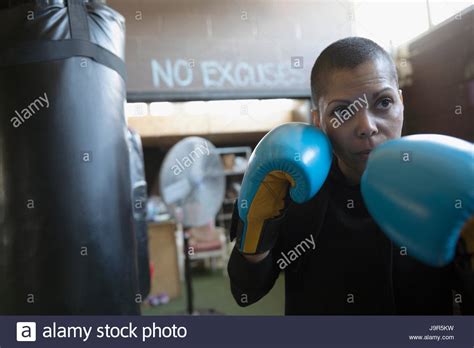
(346, 53)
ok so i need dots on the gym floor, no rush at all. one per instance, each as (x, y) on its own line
(205, 283)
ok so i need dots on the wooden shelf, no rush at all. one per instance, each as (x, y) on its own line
(217, 128)
(221, 139)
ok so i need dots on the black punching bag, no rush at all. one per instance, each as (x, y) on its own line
(66, 232)
(139, 198)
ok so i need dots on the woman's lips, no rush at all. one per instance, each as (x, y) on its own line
(364, 154)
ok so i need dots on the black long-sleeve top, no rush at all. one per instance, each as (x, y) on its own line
(351, 268)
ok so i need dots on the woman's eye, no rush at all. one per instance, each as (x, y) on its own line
(384, 103)
(338, 110)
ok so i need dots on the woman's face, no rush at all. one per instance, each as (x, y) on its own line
(360, 109)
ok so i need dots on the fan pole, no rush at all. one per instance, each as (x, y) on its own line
(187, 272)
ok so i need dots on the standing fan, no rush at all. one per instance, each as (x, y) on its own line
(192, 184)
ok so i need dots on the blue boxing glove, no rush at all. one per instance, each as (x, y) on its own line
(294, 158)
(420, 191)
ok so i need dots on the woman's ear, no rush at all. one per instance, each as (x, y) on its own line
(315, 118)
(401, 95)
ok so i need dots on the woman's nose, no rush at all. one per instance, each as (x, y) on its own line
(366, 126)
